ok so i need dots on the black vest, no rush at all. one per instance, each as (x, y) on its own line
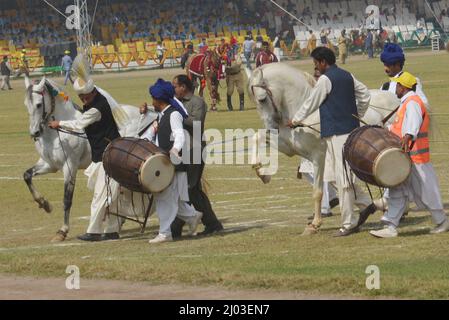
(4, 69)
(102, 132)
(165, 136)
(336, 112)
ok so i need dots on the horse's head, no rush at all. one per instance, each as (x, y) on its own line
(266, 103)
(40, 105)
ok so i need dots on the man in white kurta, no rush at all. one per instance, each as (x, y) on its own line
(340, 97)
(168, 134)
(422, 184)
(98, 122)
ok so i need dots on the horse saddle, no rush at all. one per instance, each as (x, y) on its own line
(197, 65)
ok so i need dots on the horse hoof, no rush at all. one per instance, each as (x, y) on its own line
(47, 206)
(59, 237)
(310, 230)
(265, 179)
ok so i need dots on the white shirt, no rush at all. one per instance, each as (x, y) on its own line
(91, 116)
(160, 50)
(176, 121)
(320, 92)
(413, 118)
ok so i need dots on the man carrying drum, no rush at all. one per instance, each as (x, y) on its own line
(340, 98)
(412, 126)
(168, 134)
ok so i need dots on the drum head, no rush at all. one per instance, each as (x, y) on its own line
(156, 173)
(392, 167)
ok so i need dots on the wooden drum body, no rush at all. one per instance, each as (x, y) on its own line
(375, 156)
(138, 165)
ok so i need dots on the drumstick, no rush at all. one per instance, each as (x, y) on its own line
(385, 120)
(366, 124)
(301, 125)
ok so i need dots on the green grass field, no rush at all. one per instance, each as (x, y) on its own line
(262, 246)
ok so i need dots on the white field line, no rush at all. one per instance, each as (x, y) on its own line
(40, 178)
(213, 179)
(74, 244)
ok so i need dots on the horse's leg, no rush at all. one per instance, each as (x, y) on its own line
(41, 167)
(255, 156)
(213, 98)
(69, 171)
(318, 173)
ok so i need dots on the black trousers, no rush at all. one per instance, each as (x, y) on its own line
(198, 199)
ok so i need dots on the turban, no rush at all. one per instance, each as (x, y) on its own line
(392, 54)
(164, 90)
(83, 87)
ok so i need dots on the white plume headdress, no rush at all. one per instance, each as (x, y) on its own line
(84, 84)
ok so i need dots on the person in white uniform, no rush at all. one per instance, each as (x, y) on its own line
(339, 97)
(168, 134)
(98, 123)
(412, 124)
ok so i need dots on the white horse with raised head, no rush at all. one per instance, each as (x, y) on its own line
(59, 150)
(279, 90)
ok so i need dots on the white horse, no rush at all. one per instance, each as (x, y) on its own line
(60, 150)
(279, 90)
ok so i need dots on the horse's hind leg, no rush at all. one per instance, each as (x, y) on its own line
(69, 188)
(41, 167)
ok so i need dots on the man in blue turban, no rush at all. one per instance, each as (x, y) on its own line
(393, 59)
(168, 134)
(164, 90)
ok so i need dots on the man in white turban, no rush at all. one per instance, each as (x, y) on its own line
(97, 121)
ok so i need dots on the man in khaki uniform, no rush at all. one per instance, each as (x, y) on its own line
(234, 77)
(342, 47)
(311, 44)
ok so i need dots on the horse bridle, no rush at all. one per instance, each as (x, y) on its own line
(264, 86)
(46, 116)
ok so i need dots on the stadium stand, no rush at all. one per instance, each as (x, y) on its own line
(128, 30)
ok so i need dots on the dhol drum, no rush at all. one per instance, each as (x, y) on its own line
(138, 165)
(375, 156)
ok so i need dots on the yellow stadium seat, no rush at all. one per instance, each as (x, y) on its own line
(235, 33)
(110, 48)
(263, 31)
(140, 46)
(132, 47)
(178, 44)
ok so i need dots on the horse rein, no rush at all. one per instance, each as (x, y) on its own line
(45, 115)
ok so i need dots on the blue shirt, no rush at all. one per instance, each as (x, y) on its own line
(67, 62)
